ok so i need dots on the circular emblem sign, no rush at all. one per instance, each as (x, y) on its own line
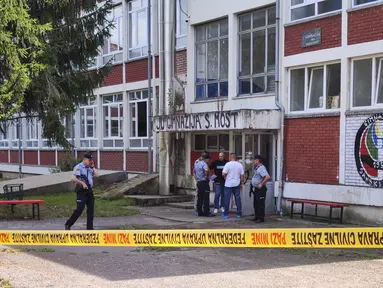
(369, 151)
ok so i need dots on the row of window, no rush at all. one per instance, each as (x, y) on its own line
(301, 9)
(137, 23)
(319, 87)
(256, 55)
(112, 124)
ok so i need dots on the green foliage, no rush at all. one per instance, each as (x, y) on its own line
(68, 163)
(21, 47)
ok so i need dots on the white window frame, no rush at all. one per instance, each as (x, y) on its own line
(141, 99)
(206, 145)
(90, 105)
(219, 80)
(32, 143)
(265, 72)
(306, 3)
(179, 23)
(143, 7)
(119, 24)
(4, 139)
(14, 137)
(307, 89)
(116, 103)
(365, 4)
(377, 66)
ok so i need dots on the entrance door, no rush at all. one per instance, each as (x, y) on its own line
(246, 146)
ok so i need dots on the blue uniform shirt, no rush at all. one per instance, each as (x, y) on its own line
(199, 170)
(81, 169)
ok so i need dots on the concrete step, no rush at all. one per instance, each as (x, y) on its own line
(156, 200)
(184, 205)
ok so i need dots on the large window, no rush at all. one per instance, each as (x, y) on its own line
(32, 133)
(315, 88)
(257, 52)
(212, 53)
(301, 9)
(182, 23)
(113, 116)
(367, 82)
(114, 45)
(211, 142)
(138, 105)
(4, 142)
(15, 130)
(361, 2)
(88, 127)
(138, 25)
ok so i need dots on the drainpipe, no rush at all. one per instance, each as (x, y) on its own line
(150, 158)
(166, 178)
(278, 104)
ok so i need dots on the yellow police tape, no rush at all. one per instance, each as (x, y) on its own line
(261, 238)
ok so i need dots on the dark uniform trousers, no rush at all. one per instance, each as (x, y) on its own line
(259, 202)
(203, 198)
(85, 197)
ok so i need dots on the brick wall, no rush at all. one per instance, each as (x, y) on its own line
(331, 35)
(81, 153)
(3, 156)
(181, 63)
(14, 156)
(138, 70)
(48, 158)
(352, 177)
(312, 150)
(31, 157)
(365, 25)
(114, 77)
(137, 161)
(111, 160)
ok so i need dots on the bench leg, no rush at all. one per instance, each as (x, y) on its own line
(38, 211)
(302, 210)
(292, 210)
(316, 210)
(12, 208)
(329, 221)
(33, 211)
(341, 215)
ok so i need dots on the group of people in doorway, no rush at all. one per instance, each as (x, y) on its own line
(228, 180)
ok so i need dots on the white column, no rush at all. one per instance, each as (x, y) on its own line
(126, 126)
(99, 126)
(344, 99)
(233, 57)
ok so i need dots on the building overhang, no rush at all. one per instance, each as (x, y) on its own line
(244, 119)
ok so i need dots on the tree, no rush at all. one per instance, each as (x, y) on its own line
(78, 29)
(21, 46)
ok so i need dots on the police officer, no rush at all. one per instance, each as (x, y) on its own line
(196, 191)
(260, 177)
(83, 174)
(201, 175)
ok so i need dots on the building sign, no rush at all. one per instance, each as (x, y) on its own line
(312, 37)
(199, 121)
(369, 151)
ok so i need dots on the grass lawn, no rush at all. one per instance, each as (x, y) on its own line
(62, 206)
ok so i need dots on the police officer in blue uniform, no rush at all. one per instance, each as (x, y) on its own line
(83, 174)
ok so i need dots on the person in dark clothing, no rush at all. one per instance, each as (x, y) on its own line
(83, 174)
(201, 175)
(260, 177)
(219, 182)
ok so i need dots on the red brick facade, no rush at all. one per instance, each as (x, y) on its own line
(3, 156)
(181, 63)
(331, 28)
(136, 161)
(312, 150)
(111, 160)
(138, 70)
(14, 156)
(81, 153)
(48, 158)
(114, 77)
(365, 25)
(31, 157)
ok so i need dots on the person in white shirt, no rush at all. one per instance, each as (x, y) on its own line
(233, 173)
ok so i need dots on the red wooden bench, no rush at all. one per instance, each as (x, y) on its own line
(19, 202)
(332, 205)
